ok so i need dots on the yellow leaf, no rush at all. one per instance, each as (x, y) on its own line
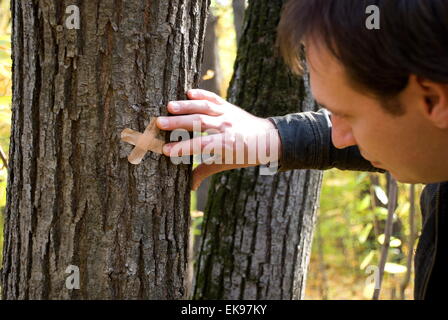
(196, 214)
(209, 75)
(365, 233)
(393, 243)
(381, 195)
(394, 268)
(365, 262)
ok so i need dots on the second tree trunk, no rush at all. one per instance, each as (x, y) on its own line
(258, 230)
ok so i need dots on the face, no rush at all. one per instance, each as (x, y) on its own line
(411, 147)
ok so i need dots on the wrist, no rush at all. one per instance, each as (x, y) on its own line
(273, 140)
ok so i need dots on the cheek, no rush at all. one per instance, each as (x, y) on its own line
(368, 137)
(377, 140)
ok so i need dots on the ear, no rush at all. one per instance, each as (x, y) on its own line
(434, 97)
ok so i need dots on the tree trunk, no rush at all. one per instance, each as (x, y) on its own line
(210, 63)
(239, 6)
(258, 230)
(73, 198)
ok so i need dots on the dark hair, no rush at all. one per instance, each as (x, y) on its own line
(412, 39)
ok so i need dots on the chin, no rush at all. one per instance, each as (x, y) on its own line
(408, 180)
(403, 179)
(412, 179)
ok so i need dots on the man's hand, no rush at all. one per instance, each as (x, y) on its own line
(234, 132)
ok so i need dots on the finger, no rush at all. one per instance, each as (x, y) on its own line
(195, 106)
(204, 170)
(193, 122)
(211, 143)
(199, 94)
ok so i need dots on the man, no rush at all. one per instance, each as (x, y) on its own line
(386, 91)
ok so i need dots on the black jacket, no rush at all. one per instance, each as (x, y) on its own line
(306, 144)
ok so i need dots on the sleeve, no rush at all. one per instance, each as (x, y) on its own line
(306, 144)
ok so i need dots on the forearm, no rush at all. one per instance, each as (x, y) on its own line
(306, 144)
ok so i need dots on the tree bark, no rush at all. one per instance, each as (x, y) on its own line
(258, 230)
(239, 7)
(73, 198)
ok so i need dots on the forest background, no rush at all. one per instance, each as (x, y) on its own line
(353, 207)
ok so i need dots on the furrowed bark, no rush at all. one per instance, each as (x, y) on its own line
(73, 198)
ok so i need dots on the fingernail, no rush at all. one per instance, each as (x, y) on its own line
(163, 122)
(175, 106)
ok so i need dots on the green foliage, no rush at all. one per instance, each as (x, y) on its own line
(196, 225)
(352, 232)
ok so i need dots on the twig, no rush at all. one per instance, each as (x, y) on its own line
(411, 242)
(393, 190)
(4, 159)
(373, 202)
(322, 269)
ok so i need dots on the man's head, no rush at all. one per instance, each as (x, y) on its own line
(387, 89)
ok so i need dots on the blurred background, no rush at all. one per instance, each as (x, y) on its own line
(353, 209)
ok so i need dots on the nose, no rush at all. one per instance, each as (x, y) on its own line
(341, 133)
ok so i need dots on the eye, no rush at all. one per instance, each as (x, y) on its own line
(340, 116)
(337, 114)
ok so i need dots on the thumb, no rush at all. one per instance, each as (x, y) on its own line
(205, 170)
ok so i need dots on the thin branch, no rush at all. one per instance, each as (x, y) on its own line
(3, 157)
(392, 194)
(320, 247)
(411, 242)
